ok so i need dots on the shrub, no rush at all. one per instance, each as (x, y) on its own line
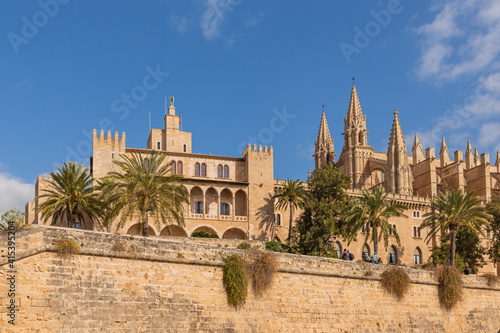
(492, 279)
(118, 247)
(396, 281)
(66, 246)
(263, 270)
(203, 234)
(274, 246)
(450, 286)
(234, 279)
(244, 246)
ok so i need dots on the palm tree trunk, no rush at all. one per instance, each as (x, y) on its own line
(145, 225)
(375, 241)
(290, 224)
(453, 234)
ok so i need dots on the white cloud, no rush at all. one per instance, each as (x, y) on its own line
(14, 193)
(213, 16)
(254, 19)
(477, 113)
(180, 23)
(461, 40)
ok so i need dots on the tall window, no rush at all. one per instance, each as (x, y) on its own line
(278, 219)
(224, 209)
(179, 167)
(158, 145)
(416, 214)
(382, 176)
(198, 207)
(226, 171)
(197, 169)
(203, 170)
(416, 232)
(219, 171)
(392, 255)
(185, 149)
(417, 256)
(174, 169)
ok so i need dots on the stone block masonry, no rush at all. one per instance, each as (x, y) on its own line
(175, 285)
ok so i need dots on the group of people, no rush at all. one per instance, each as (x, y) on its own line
(347, 256)
(374, 258)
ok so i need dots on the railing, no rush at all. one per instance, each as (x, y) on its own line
(226, 217)
(241, 218)
(216, 217)
(211, 217)
(196, 216)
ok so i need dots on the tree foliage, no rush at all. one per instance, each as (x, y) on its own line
(292, 196)
(452, 210)
(70, 196)
(15, 215)
(493, 208)
(144, 186)
(372, 212)
(321, 220)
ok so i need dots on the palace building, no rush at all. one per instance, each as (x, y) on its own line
(231, 196)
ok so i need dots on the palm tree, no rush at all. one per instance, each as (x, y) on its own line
(453, 209)
(372, 211)
(292, 195)
(70, 196)
(145, 186)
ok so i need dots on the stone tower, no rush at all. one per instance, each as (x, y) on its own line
(356, 152)
(324, 152)
(398, 176)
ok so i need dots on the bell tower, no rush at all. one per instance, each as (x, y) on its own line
(356, 152)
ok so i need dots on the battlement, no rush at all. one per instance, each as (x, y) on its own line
(102, 139)
(258, 150)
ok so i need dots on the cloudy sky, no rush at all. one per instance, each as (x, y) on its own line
(241, 71)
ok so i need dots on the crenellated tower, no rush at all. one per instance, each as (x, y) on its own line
(324, 151)
(398, 176)
(356, 152)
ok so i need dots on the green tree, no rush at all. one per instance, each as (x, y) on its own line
(15, 215)
(292, 196)
(468, 251)
(372, 211)
(493, 208)
(451, 210)
(70, 196)
(321, 220)
(144, 186)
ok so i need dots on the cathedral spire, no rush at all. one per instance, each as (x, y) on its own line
(417, 151)
(399, 176)
(444, 155)
(469, 156)
(396, 140)
(324, 151)
(477, 159)
(354, 113)
(497, 163)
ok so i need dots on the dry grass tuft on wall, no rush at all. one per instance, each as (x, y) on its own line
(396, 281)
(450, 286)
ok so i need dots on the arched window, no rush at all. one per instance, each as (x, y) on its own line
(226, 171)
(278, 219)
(219, 171)
(179, 167)
(174, 169)
(392, 255)
(361, 139)
(197, 169)
(338, 249)
(185, 148)
(203, 170)
(416, 232)
(158, 145)
(417, 257)
(224, 209)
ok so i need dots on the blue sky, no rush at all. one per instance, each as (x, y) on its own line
(233, 66)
